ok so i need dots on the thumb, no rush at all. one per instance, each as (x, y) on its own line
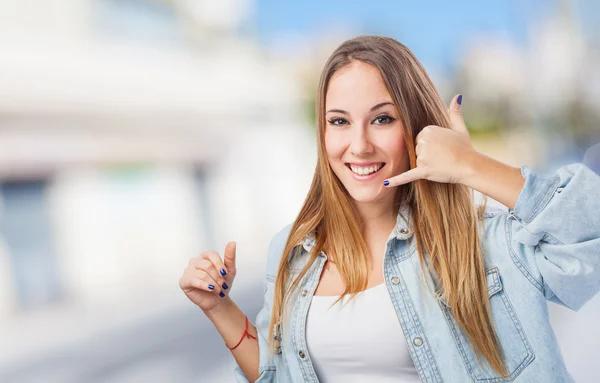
(456, 119)
(229, 256)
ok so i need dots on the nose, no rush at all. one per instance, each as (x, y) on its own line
(360, 144)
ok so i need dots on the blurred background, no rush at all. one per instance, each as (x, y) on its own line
(134, 134)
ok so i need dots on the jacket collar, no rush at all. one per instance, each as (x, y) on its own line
(402, 230)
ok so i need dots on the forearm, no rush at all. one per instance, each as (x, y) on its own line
(230, 321)
(494, 179)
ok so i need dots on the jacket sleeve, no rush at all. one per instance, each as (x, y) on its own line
(553, 233)
(266, 369)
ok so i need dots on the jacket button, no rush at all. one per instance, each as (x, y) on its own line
(404, 231)
(395, 280)
(304, 293)
(302, 354)
(417, 341)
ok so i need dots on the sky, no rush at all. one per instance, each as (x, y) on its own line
(434, 30)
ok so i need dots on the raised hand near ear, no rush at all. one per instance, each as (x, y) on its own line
(443, 155)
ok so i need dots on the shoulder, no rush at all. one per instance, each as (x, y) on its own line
(493, 215)
(280, 238)
(296, 258)
(494, 225)
(276, 247)
(493, 210)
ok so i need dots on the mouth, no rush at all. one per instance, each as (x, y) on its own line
(365, 172)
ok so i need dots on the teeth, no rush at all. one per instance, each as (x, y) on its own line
(365, 171)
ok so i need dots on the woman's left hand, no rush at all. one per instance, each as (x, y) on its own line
(443, 155)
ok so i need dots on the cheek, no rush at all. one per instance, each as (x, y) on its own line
(394, 148)
(392, 144)
(334, 146)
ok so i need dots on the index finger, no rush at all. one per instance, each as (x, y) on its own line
(216, 260)
(406, 177)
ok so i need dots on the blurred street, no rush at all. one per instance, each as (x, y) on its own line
(173, 343)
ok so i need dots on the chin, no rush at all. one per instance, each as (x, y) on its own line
(364, 196)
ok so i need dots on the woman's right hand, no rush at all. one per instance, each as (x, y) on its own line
(207, 279)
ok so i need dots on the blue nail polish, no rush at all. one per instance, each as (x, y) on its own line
(222, 294)
(225, 287)
(212, 287)
(386, 183)
(459, 99)
(223, 272)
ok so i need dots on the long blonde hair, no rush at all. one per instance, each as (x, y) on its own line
(445, 222)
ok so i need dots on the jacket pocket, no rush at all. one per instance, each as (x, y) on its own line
(515, 346)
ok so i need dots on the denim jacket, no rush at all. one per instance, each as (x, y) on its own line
(546, 248)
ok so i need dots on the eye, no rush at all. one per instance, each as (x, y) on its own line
(337, 121)
(384, 119)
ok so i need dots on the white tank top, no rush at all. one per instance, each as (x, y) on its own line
(359, 342)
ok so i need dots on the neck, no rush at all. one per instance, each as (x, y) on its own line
(377, 216)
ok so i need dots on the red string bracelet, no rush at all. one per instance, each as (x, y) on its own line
(245, 334)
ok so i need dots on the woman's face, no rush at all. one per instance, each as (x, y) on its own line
(364, 137)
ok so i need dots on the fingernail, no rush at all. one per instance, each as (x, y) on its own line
(386, 183)
(223, 272)
(222, 294)
(212, 287)
(225, 287)
(459, 99)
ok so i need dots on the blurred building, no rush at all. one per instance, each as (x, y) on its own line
(539, 97)
(121, 123)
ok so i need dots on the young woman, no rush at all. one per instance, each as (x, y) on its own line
(390, 273)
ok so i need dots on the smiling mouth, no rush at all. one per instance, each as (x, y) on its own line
(365, 171)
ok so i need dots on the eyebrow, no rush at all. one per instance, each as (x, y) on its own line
(382, 104)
